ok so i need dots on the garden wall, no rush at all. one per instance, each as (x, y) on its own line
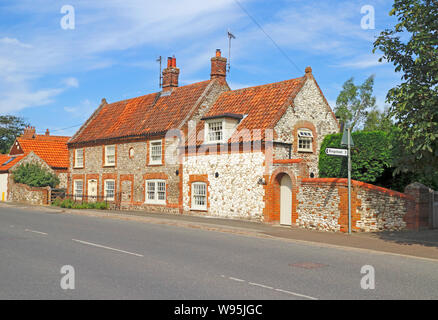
(323, 205)
(23, 193)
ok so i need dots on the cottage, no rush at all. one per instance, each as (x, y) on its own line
(119, 153)
(48, 151)
(247, 152)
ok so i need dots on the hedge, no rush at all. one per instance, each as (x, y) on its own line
(370, 157)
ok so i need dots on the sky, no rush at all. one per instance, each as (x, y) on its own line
(56, 68)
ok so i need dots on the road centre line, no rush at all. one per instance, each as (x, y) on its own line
(271, 288)
(34, 231)
(105, 247)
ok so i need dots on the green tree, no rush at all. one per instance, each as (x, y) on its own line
(354, 102)
(412, 47)
(378, 121)
(35, 176)
(10, 128)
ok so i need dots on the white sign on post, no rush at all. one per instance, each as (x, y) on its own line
(336, 152)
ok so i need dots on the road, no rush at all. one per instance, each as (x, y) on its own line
(116, 259)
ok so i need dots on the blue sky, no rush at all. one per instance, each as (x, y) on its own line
(55, 78)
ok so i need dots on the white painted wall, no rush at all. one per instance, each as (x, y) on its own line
(4, 185)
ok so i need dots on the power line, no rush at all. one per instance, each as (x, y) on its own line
(76, 125)
(267, 35)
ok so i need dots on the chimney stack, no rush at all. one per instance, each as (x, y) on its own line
(170, 75)
(28, 133)
(218, 67)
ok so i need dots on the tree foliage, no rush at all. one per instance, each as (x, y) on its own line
(10, 128)
(412, 47)
(35, 176)
(377, 120)
(354, 102)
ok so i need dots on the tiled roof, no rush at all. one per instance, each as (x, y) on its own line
(149, 114)
(7, 161)
(262, 105)
(52, 149)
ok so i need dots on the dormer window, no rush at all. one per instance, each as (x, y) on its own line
(305, 140)
(215, 131)
(219, 128)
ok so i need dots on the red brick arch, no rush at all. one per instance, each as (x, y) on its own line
(271, 212)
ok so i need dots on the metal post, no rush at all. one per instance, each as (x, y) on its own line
(349, 180)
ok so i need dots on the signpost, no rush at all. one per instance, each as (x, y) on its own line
(336, 152)
(346, 140)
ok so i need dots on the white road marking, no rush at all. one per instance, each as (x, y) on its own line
(34, 231)
(260, 285)
(271, 288)
(236, 279)
(296, 294)
(109, 248)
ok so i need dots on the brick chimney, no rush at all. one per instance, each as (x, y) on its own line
(218, 66)
(170, 75)
(28, 133)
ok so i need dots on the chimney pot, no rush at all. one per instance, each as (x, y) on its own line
(218, 52)
(47, 132)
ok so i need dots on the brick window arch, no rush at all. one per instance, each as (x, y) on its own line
(299, 131)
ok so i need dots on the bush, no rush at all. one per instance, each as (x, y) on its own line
(35, 176)
(370, 157)
(71, 204)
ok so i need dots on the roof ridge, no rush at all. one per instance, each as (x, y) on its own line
(158, 92)
(264, 85)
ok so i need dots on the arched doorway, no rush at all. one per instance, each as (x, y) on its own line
(286, 200)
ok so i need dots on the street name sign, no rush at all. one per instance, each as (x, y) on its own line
(336, 152)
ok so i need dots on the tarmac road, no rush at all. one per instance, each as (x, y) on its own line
(116, 259)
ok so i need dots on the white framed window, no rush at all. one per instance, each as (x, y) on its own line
(109, 189)
(199, 196)
(78, 189)
(155, 191)
(305, 140)
(110, 155)
(155, 152)
(79, 158)
(215, 131)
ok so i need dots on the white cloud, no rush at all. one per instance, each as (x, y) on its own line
(71, 82)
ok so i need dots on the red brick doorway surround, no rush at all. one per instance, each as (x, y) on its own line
(271, 212)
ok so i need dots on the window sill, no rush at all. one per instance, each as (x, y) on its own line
(78, 167)
(155, 164)
(156, 204)
(109, 165)
(305, 151)
(200, 210)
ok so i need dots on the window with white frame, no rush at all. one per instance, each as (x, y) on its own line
(305, 140)
(109, 190)
(155, 191)
(215, 131)
(79, 158)
(199, 196)
(110, 155)
(155, 152)
(78, 189)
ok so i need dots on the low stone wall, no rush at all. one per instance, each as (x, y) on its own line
(23, 193)
(323, 205)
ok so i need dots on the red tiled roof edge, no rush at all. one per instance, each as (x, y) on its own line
(86, 123)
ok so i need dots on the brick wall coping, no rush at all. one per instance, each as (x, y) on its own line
(344, 181)
(286, 161)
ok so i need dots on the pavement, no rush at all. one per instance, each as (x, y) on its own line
(420, 244)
